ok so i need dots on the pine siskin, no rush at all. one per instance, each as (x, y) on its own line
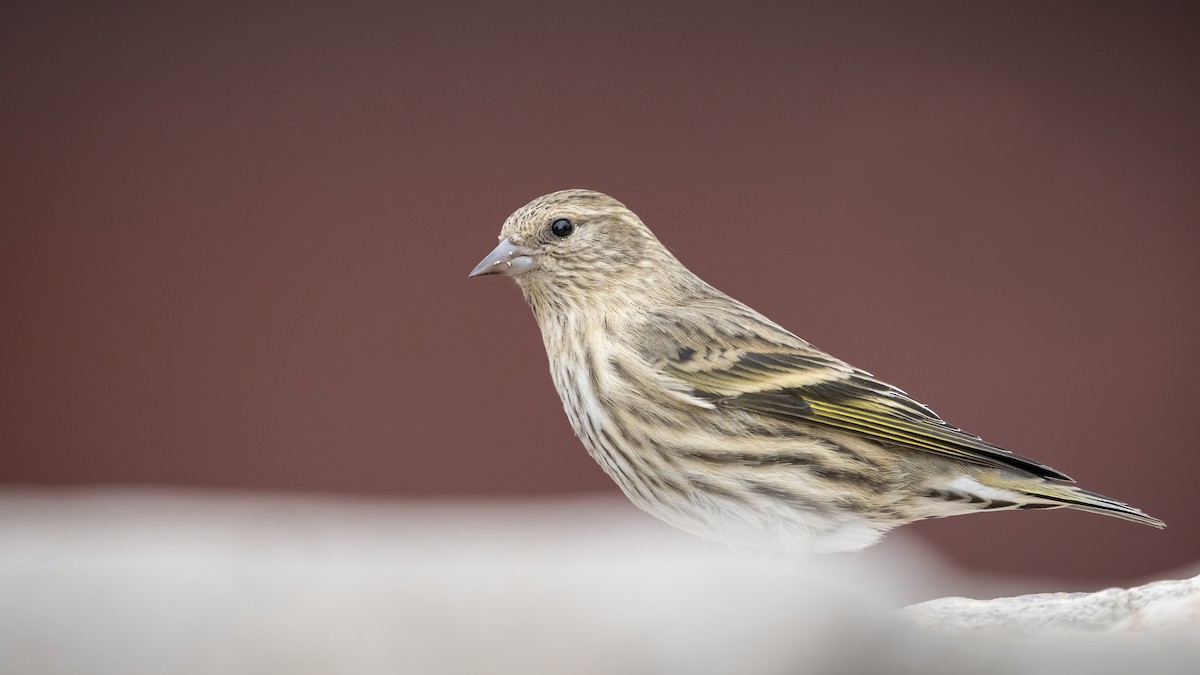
(715, 419)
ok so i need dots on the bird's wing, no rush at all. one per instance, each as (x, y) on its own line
(740, 360)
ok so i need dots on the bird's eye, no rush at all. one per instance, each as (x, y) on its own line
(561, 228)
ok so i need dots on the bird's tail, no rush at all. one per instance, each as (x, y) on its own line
(1044, 494)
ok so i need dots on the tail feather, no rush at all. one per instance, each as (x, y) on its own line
(1047, 494)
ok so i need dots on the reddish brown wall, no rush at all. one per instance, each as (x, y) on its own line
(234, 242)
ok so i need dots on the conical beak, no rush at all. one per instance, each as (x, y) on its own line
(508, 259)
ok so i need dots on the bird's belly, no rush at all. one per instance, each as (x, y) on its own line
(739, 505)
(748, 520)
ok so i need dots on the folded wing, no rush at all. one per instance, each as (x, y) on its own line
(747, 363)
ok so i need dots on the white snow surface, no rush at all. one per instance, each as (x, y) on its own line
(132, 582)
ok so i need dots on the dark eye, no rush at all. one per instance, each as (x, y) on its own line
(561, 228)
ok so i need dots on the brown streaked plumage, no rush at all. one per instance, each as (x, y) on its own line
(716, 419)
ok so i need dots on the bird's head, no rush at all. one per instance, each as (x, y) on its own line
(575, 246)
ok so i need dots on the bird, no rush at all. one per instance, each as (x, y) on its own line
(719, 421)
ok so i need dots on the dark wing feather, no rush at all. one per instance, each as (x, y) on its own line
(744, 362)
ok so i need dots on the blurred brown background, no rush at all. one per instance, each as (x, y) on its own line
(234, 239)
